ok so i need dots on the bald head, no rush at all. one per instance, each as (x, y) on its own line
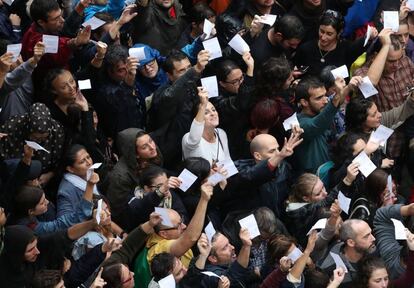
(263, 146)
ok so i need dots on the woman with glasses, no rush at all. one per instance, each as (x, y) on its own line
(329, 48)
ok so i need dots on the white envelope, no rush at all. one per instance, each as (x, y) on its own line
(51, 43)
(344, 202)
(215, 178)
(391, 20)
(138, 53)
(166, 221)
(238, 44)
(320, 224)
(187, 179)
(210, 274)
(341, 72)
(207, 27)
(94, 23)
(367, 35)
(212, 45)
(84, 84)
(399, 229)
(15, 49)
(35, 146)
(365, 164)
(250, 224)
(381, 134)
(210, 231)
(268, 19)
(289, 122)
(167, 282)
(295, 254)
(228, 164)
(367, 88)
(91, 169)
(210, 84)
(338, 261)
(98, 211)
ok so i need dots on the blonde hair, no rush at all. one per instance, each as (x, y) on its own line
(303, 187)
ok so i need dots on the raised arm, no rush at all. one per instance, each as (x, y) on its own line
(377, 66)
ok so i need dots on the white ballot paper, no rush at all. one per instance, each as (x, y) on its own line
(291, 121)
(98, 211)
(250, 224)
(344, 202)
(8, 2)
(268, 19)
(212, 45)
(399, 229)
(89, 172)
(391, 20)
(187, 179)
(367, 88)
(207, 27)
(320, 224)
(84, 84)
(238, 44)
(365, 164)
(340, 72)
(295, 254)
(210, 231)
(35, 146)
(94, 23)
(228, 164)
(15, 49)
(389, 184)
(167, 282)
(410, 4)
(338, 261)
(51, 43)
(381, 134)
(137, 52)
(210, 274)
(367, 35)
(215, 178)
(166, 221)
(210, 84)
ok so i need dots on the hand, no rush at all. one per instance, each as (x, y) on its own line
(83, 36)
(410, 239)
(203, 96)
(224, 282)
(335, 210)
(132, 65)
(45, 178)
(81, 101)
(203, 246)
(256, 27)
(384, 36)
(2, 135)
(101, 48)
(6, 60)
(245, 237)
(355, 81)
(98, 282)
(127, 15)
(294, 140)
(206, 191)
(202, 60)
(38, 52)
(404, 10)
(223, 171)
(28, 152)
(285, 264)
(338, 275)
(15, 19)
(248, 59)
(111, 245)
(311, 241)
(351, 172)
(371, 147)
(93, 179)
(387, 163)
(174, 182)
(154, 219)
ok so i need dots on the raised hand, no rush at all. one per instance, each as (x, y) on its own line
(206, 191)
(245, 237)
(351, 172)
(98, 282)
(94, 179)
(203, 246)
(202, 60)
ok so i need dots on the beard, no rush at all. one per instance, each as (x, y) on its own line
(364, 251)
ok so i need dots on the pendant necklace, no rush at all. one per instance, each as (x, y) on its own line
(323, 55)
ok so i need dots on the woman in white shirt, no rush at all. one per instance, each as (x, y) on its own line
(204, 139)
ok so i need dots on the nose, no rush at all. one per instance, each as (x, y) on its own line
(372, 238)
(36, 252)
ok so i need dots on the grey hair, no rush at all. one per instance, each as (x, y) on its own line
(347, 231)
(266, 220)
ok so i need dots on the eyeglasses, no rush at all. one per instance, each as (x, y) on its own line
(237, 81)
(150, 64)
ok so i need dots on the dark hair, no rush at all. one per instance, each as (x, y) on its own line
(395, 42)
(74, 113)
(48, 90)
(366, 267)
(224, 68)
(265, 114)
(290, 27)
(161, 266)
(27, 198)
(69, 157)
(114, 55)
(334, 19)
(46, 278)
(302, 89)
(199, 12)
(112, 275)
(326, 76)
(356, 114)
(316, 278)
(173, 56)
(375, 184)
(39, 9)
(149, 173)
(227, 27)
(199, 167)
(272, 76)
(278, 246)
(345, 147)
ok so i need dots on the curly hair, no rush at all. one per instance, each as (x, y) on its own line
(356, 114)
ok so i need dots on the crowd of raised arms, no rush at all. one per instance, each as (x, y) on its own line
(212, 144)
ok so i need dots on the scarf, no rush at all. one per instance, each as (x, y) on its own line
(78, 182)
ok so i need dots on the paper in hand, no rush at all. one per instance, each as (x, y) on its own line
(365, 164)
(84, 84)
(98, 211)
(15, 49)
(338, 261)
(344, 202)
(187, 179)
(295, 254)
(216, 178)
(51, 43)
(250, 224)
(367, 88)
(228, 164)
(410, 4)
(238, 44)
(91, 169)
(367, 35)
(210, 84)
(35, 146)
(381, 134)
(290, 122)
(207, 27)
(341, 72)
(399, 230)
(137, 52)
(166, 221)
(389, 184)
(210, 274)
(212, 45)
(210, 231)
(167, 282)
(94, 23)
(268, 19)
(8, 2)
(320, 224)
(391, 20)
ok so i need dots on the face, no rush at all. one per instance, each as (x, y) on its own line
(327, 36)
(127, 277)
(177, 229)
(180, 67)
(403, 34)
(41, 207)
(81, 165)
(149, 70)
(290, 44)
(269, 147)
(165, 3)
(224, 251)
(233, 81)
(373, 118)
(378, 279)
(364, 241)
(118, 72)
(64, 87)
(211, 116)
(145, 147)
(313, 3)
(318, 192)
(392, 63)
(30, 255)
(54, 22)
(317, 101)
(160, 182)
(264, 3)
(179, 271)
(3, 217)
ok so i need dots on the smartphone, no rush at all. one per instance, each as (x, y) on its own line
(303, 69)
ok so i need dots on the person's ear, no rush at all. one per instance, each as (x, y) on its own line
(30, 212)
(41, 23)
(257, 156)
(222, 83)
(303, 103)
(278, 36)
(350, 243)
(212, 259)
(70, 169)
(147, 189)
(170, 76)
(306, 198)
(162, 234)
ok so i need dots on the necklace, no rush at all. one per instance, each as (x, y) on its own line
(323, 55)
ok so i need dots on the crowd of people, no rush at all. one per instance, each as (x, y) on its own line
(120, 166)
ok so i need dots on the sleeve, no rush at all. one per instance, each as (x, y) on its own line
(64, 201)
(191, 141)
(114, 7)
(192, 50)
(17, 77)
(274, 279)
(321, 245)
(317, 125)
(397, 115)
(225, 142)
